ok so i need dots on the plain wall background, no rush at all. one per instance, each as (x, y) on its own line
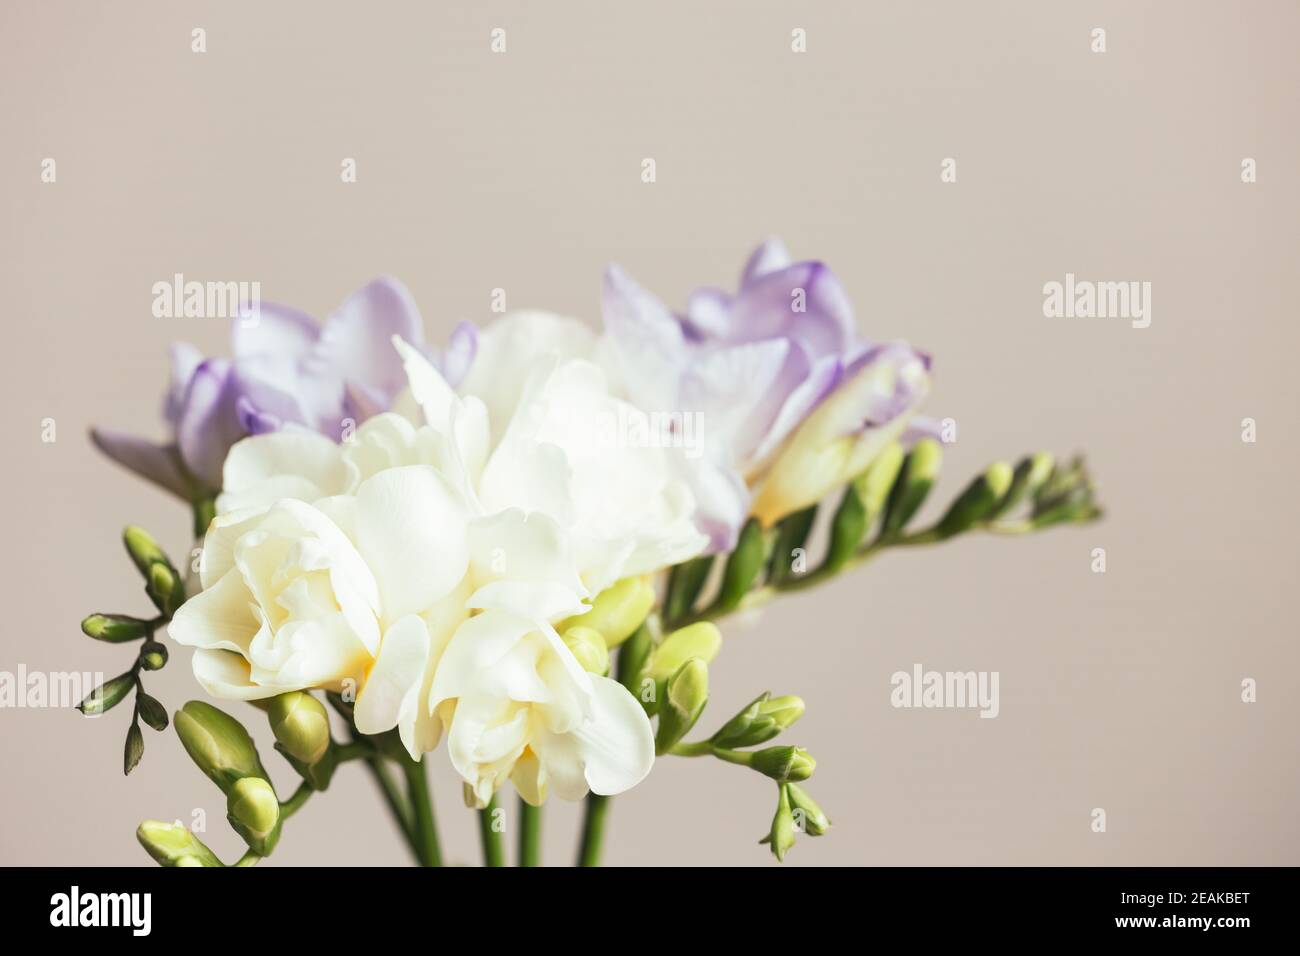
(522, 171)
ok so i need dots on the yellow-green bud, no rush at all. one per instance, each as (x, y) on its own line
(142, 548)
(784, 764)
(107, 695)
(617, 611)
(702, 640)
(153, 656)
(1031, 472)
(217, 743)
(588, 646)
(915, 478)
(686, 694)
(301, 725)
(763, 719)
(873, 484)
(170, 844)
(781, 834)
(978, 500)
(114, 628)
(808, 816)
(165, 588)
(254, 811)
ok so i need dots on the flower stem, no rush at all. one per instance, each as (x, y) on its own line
(494, 851)
(530, 834)
(396, 802)
(593, 829)
(426, 832)
(289, 807)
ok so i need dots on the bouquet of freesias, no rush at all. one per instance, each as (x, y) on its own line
(519, 545)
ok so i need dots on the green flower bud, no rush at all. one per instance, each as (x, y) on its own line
(588, 646)
(143, 549)
(791, 535)
(150, 711)
(1031, 472)
(153, 656)
(742, 567)
(685, 582)
(218, 744)
(165, 588)
(1065, 496)
(874, 484)
(915, 478)
(170, 844)
(808, 816)
(781, 836)
(114, 628)
(254, 811)
(978, 500)
(686, 693)
(134, 748)
(301, 726)
(617, 611)
(848, 528)
(784, 764)
(107, 696)
(632, 659)
(758, 723)
(702, 640)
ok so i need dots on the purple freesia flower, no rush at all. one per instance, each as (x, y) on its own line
(754, 365)
(286, 369)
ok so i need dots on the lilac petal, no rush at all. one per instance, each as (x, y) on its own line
(359, 404)
(184, 359)
(721, 503)
(708, 314)
(770, 256)
(459, 356)
(253, 421)
(826, 374)
(356, 343)
(273, 330)
(160, 464)
(766, 309)
(647, 339)
(209, 422)
(738, 392)
(921, 426)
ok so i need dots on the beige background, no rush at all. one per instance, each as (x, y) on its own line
(521, 171)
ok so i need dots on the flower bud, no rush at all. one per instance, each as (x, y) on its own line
(218, 744)
(848, 528)
(702, 640)
(763, 719)
(254, 811)
(301, 726)
(685, 696)
(685, 582)
(781, 835)
(808, 816)
(153, 656)
(742, 566)
(1031, 472)
(114, 628)
(142, 548)
(170, 844)
(107, 695)
(874, 484)
(915, 478)
(588, 646)
(784, 764)
(617, 611)
(978, 500)
(165, 588)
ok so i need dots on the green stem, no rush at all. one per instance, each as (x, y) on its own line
(248, 859)
(530, 834)
(426, 831)
(494, 850)
(291, 806)
(593, 829)
(396, 802)
(353, 751)
(705, 748)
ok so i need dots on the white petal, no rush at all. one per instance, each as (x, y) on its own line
(217, 617)
(617, 744)
(398, 669)
(411, 530)
(225, 674)
(293, 462)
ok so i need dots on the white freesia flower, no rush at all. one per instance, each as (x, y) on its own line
(428, 557)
